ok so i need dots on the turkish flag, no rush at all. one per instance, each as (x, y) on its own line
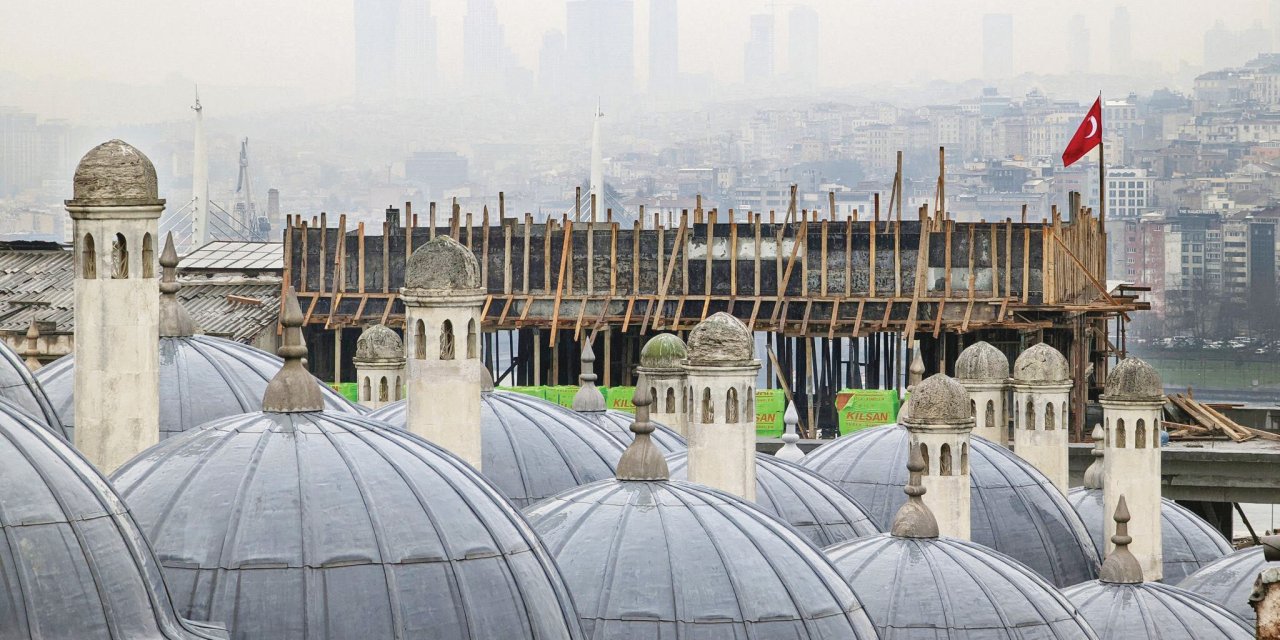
(1088, 136)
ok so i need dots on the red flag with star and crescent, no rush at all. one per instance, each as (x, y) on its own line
(1088, 136)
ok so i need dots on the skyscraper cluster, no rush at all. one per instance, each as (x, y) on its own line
(395, 47)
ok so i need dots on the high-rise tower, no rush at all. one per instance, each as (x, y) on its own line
(664, 46)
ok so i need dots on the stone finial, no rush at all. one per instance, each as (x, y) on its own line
(588, 397)
(114, 173)
(915, 372)
(939, 400)
(1042, 364)
(486, 380)
(982, 362)
(790, 451)
(642, 461)
(443, 265)
(1121, 567)
(293, 389)
(721, 340)
(1134, 379)
(1093, 476)
(914, 519)
(31, 350)
(174, 320)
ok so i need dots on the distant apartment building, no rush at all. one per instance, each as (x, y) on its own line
(1128, 193)
(436, 171)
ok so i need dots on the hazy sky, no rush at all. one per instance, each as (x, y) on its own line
(306, 45)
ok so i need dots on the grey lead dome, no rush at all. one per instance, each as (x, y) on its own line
(1228, 580)
(721, 339)
(1041, 363)
(814, 506)
(73, 564)
(1153, 611)
(20, 387)
(1187, 542)
(1134, 379)
(317, 525)
(202, 378)
(442, 265)
(952, 589)
(115, 173)
(671, 559)
(981, 361)
(1014, 509)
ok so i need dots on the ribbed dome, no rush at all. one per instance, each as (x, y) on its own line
(1228, 581)
(1187, 541)
(1154, 611)
(982, 362)
(817, 508)
(1014, 508)
(74, 563)
(617, 425)
(1133, 378)
(202, 378)
(442, 264)
(19, 386)
(115, 173)
(320, 525)
(939, 400)
(1041, 363)
(721, 339)
(952, 589)
(674, 559)
(532, 449)
(663, 351)
(378, 342)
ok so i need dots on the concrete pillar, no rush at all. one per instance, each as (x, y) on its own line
(380, 367)
(117, 297)
(983, 370)
(1041, 394)
(660, 366)
(1131, 407)
(940, 420)
(443, 297)
(721, 369)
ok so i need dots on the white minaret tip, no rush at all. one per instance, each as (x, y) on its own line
(790, 451)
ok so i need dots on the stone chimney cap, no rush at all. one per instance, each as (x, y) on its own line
(1093, 475)
(443, 265)
(1134, 379)
(939, 400)
(115, 173)
(1121, 567)
(1041, 363)
(981, 361)
(663, 351)
(293, 389)
(379, 342)
(721, 339)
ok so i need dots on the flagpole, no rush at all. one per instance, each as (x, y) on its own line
(1102, 177)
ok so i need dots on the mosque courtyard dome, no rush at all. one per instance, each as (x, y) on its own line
(20, 387)
(813, 505)
(1015, 509)
(1229, 580)
(76, 565)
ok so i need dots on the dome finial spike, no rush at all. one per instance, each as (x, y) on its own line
(1121, 567)
(642, 461)
(293, 389)
(790, 451)
(915, 373)
(914, 519)
(588, 397)
(175, 322)
(31, 353)
(1093, 475)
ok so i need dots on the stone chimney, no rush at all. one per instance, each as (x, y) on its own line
(940, 420)
(1131, 407)
(661, 366)
(443, 297)
(1041, 393)
(114, 212)
(984, 372)
(721, 369)
(1265, 598)
(380, 366)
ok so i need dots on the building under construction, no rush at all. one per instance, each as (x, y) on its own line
(837, 301)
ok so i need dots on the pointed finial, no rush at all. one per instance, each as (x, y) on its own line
(642, 460)
(293, 389)
(1121, 567)
(588, 397)
(1093, 475)
(914, 519)
(486, 380)
(915, 373)
(174, 319)
(790, 451)
(31, 353)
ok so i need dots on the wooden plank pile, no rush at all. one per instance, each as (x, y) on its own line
(1190, 419)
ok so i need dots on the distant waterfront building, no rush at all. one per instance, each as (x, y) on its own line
(664, 45)
(802, 45)
(601, 45)
(997, 46)
(1121, 41)
(1077, 45)
(758, 53)
(375, 44)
